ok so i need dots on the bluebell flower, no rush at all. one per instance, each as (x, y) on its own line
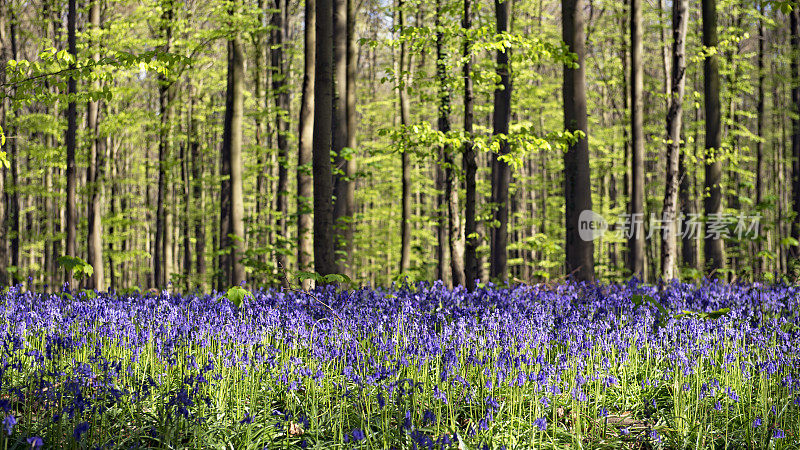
(9, 423)
(757, 422)
(35, 442)
(777, 433)
(541, 423)
(358, 435)
(82, 428)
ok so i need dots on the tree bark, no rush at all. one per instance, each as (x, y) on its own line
(501, 172)
(96, 163)
(758, 267)
(636, 208)
(577, 176)
(794, 23)
(469, 161)
(669, 242)
(198, 206)
(714, 249)
(280, 90)
(72, 127)
(165, 94)
(305, 246)
(324, 258)
(4, 104)
(12, 196)
(232, 150)
(344, 68)
(402, 79)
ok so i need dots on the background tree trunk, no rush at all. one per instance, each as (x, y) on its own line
(165, 95)
(232, 150)
(405, 120)
(669, 239)
(96, 163)
(469, 161)
(577, 176)
(324, 258)
(72, 128)
(714, 249)
(794, 23)
(501, 172)
(636, 209)
(281, 93)
(4, 105)
(305, 134)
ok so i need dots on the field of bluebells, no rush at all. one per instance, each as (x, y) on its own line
(578, 366)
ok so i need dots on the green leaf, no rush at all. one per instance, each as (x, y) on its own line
(78, 267)
(237, 294)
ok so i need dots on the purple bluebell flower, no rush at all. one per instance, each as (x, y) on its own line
(82, 428)
(9, 423)
(541, 423)
(35, 442)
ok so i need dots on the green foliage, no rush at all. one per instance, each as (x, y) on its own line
(76, 266)
(237, 294)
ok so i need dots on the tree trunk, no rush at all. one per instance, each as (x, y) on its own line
(96, 163)
(501, 172)
(186, 151)
(714, 249)
(577, 176)
(344, 163)
(280, 90)
(4, 104)
(758, 266)
(12, 194)
(348, 192)
(198, 206)
(305, 134)
(232, 151)
(405, 120)
(324, 258)
(795, 108)
(469, 162)
(636, 208)
(669, 244)
(165, 93)
(72, 127)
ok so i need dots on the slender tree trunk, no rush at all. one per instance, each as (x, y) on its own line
(347, 193)
(12, 196)
(345, 164)
(4, 104)
(186, 151)
(450, 196)
(72, 127)
(165, 93)
(577, 176)
(324, 258)
(714, 250)
(636, 208)
(469, 162)
(501, 172)
(232, 151)
(758, 267)
(281, 93)
(669, 244)
(305, 246)
(442, 191)
(405, 120)
(794, 23)
(198, 206)
(96, 163)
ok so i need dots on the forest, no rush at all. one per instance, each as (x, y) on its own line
(406, 224)
(204, 144)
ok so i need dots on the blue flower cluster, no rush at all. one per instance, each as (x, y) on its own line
(416, 366)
